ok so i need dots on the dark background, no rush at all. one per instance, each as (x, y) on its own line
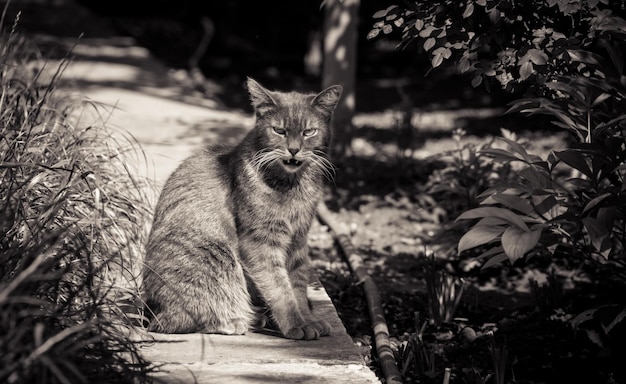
(266, 40)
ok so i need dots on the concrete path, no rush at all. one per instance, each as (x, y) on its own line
(137, 96)
(261, 357)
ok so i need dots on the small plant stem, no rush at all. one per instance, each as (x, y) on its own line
(499, 356)
(446, 376)
(588, 139)
(29, 271)
(50, 342)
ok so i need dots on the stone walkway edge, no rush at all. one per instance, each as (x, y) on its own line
(260, 357)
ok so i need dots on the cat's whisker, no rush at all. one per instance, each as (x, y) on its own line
(323, 156)
(322, 164)
(325, 162)
(263, 158)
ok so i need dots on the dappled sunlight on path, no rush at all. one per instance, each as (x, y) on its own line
(134, 93)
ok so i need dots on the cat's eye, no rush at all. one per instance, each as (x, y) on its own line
(309, 132)
(279, 131)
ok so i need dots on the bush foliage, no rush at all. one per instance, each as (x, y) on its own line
(509, 42)
(567, 58)
(71, 220)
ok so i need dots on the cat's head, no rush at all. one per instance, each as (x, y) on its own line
(292, 129)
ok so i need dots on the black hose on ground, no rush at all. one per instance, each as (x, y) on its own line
(390, 370)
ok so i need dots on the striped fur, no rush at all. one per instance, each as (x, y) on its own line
(231, 224)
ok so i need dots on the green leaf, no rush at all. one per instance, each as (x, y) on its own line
(516, 242)
(429, 43)
(494, 15)
(576, 160)
(499, 154)
(468, 10)
(490, 221)
(512, 188)
(525, 70)
(547, 205)
(373, 33)
(445, 52)
(501, 213)
(491, 252)
(497, 259)
(565, 119)
(439, 55)
(464, 65)
(479, 235)
(380, 14)
(595, 201)
(583, 317)
(606, 216)
(384, 12)
(536, 56)
(427, 32)
(524, 105)
(391, 17)
(514, 202)
(616, 320)
(477, 80)
(436, 61)
(539, 178)
(600, 99)
(585, 57)
(489, 72)
(598, 235)
(565, 88)
(520, 150)
(577, 132)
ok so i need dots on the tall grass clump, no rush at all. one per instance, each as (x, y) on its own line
(72, 221)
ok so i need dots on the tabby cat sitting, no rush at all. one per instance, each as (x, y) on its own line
(231, 224)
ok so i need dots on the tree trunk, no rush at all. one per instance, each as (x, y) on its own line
(340, 45)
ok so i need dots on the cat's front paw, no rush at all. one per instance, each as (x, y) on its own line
(309, 331)
(232, 327)
(305, 332)
(323, 327)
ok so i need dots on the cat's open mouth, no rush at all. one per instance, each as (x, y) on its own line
(292, 163)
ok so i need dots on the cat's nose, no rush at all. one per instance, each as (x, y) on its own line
(293, 151)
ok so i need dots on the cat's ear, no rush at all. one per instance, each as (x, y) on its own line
(327, 100)
(261, 98)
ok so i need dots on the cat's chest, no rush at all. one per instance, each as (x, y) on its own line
(287, 206)
(292, 210)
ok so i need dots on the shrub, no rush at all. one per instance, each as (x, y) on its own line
(510, 43)
(466, 172)
(72, 220)
(568, 58)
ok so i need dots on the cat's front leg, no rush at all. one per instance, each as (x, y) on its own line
(265, 266)
(299, 267)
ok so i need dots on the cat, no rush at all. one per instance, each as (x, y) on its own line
(231, 224)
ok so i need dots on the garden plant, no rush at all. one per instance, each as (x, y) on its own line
(71, 218)
(564, 60)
